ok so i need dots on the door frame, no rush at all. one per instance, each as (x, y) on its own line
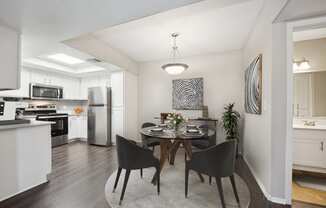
(292, 26)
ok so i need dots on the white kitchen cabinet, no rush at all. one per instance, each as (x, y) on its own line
(41, 78)
(71, 88)
(94, 81)
(23, 91)
(10, 50)
(73, 127)
(117, 123)
(83, 127)
(77, 127)
(309, 148)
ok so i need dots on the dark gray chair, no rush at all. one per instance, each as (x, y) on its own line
(218, 162)
(207, 142)
(133, 157)
(149, 141)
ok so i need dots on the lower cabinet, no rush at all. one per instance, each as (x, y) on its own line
(77, 127)
(309, 149)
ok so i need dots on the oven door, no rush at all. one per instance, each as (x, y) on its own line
(38, 91)
(59, 126)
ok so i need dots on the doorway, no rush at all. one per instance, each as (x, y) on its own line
(306, 147)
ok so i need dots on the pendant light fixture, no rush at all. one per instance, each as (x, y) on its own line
(174, 68)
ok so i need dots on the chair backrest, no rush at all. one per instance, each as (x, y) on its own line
(211, 139)
(125, 151)
(219, 160)
(148, 124)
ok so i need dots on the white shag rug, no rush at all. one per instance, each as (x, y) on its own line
(140, 193)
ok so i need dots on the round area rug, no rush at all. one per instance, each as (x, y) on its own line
(140, 193)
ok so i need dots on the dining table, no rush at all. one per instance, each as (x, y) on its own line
(171, 140)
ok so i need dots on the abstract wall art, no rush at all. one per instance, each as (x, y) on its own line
(188, 94)
(253, 86)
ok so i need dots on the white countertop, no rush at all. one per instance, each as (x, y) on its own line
(26, 125)
(317, 127)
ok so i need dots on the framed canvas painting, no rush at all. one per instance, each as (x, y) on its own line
(187, 94)
(253, 86)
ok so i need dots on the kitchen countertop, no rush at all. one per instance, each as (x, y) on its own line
(26, 125)
(317, 127)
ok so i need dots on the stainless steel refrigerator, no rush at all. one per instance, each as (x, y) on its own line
(99, 116)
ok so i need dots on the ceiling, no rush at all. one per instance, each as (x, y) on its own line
(301, 9)
(310, 34)
(44, 24)
(206, 27)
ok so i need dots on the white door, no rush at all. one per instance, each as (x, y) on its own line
(309, 152)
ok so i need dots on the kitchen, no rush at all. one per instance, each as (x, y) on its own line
(44, 104)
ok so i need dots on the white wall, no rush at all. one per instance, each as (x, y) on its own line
(313, 50)
(264, 135)
(223, 83)
(131, 105)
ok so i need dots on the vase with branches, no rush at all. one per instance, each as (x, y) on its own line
(230, 120)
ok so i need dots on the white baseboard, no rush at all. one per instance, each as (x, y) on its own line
(268, 196)
(25, 189)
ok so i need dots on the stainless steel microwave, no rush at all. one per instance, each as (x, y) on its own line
(41, 91)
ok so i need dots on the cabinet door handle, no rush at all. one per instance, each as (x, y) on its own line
(322, 146)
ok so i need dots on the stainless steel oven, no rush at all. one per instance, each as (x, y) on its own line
(41, 91)
(59, 128)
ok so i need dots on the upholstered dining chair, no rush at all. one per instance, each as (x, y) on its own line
(205, 143)
(133, 157)
(149, 141)
(209, 141)
(217, 161)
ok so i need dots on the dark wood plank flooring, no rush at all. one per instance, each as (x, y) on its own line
(79, 174)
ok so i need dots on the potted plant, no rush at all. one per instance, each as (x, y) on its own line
(230, 120)
(175, 119)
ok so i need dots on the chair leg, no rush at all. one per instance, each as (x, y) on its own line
(186, 181)
(158, 179)
(220, 190)
(234, 188)
(210, 180)
(141, 173)
(117, 179)
(124, 185)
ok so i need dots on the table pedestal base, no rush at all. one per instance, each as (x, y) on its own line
(170, 148)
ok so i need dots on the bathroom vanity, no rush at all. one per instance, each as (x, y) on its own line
(309, 148)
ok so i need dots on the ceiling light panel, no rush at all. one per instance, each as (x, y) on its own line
(90, 69)
(66, 59)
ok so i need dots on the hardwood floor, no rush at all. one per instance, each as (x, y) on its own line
(79, 175)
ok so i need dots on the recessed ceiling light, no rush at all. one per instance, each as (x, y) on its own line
(63, 58)
(90, 69)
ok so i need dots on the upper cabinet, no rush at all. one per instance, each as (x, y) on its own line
(93, 81)
(10, 58)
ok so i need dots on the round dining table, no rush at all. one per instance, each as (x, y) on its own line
(171, 140)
